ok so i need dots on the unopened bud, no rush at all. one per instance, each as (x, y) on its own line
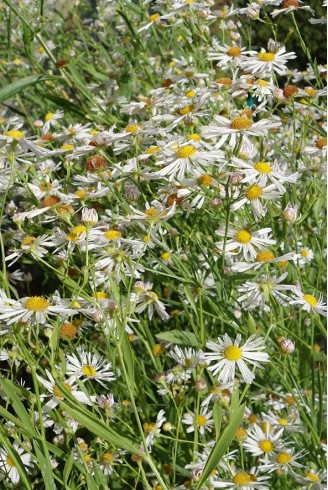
(290, 212)
(201, 384)
(286, 345)
(89, 216)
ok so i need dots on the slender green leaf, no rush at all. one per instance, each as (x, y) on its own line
(18, 86)
(44, 465)
(222, 444)
(188, 339)
(217, 415)
(68, 468)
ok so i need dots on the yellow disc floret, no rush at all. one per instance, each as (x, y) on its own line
(201, 420)
(283, 458)
(234, 51)
(266, 56)
(311, 300)
(88, 370)
(233, 353)
(240, 123)
(243, 236)
(241, 479)
(112, 235)
(186, 151)
(265, 256)
(263, 167)
(15, 134)
(266, 446)
(37, 303)
(253, 192)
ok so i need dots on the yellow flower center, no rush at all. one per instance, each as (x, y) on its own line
(28, 241)
(253, 192)
(241, 122)
(312, 476)
(194, 137)
(152, 212)
(201, 420)
(37, 303)
(186, 110)
(310, 91)
(252, 418)
(49, 116)
(75, 233)
(68, 331)
(67, 147)
(112, 235)
(266, 446)
(205, 180)
(240, 433)
(283, 458)
(264, 256)
(153, 295)
(59, 394)
(132, 128)
(100, 295)
(15, 134)
(263, 167)
(310, 299)
(81, 193)
(234, 51)
(266, 56)
(190, 93)
(10, 461)
(165, 256)
(241, 479)
(290, 3)
(88, 370)
(152, 149)
(154, 17)
(149, 427)
(225, 81)
(107, 458)
(321, 143)
(262, 83)
(243, 236)
(186, 151)
(283, 422)
(233, 353)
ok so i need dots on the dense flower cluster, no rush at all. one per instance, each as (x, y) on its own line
(162, 218)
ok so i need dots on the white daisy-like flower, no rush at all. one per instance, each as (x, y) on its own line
(243, 240)
(304, 256)
(313, 480)
(228, 354)
(260, 443)
(8, 465)
(16, 137)
(257, 294)
(318, 148)
(309, 302)
(244, 481)
(144, 298)
(34, 309)
(265, 63)
(153, 429)
(263, 257)
(253, 194)
(57, 395)
(227, 56)
(239, 126)
(284, 461)
(262, 172)
(107, 462)
(290, 422)
(188, 357)
(187, 159)
(89, 365)
(50, 119)
(288, 6)
(31, 245)
(201, 422)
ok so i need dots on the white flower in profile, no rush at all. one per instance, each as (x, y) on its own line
(227, 355)
(309, 302)
(202, 421)
(288, 6)
(153, 429)
(144, 297)
(89, 365)
(263, 257)
(253, 194)
(243, 480)
(8, 465)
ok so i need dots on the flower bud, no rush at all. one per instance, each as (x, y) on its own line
(89, 216)
(290, 213)
(201, 385)
(286, 345)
